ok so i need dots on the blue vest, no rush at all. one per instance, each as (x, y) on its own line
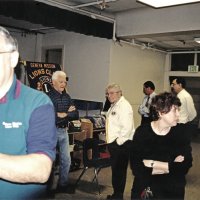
(16, 109)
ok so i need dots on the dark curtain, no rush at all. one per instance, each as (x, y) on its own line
(40, 13)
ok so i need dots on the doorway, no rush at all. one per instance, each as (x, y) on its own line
(53, 55)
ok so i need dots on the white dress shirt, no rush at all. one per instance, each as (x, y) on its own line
(144, 107)
(187, 110)
(119, 122)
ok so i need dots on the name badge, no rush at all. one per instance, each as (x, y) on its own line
(113, 113)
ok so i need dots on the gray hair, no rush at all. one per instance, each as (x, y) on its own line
(57, 74)
(114, 86)
(10, 42)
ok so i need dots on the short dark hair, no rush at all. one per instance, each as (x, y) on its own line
(163, 103)
(149, 84)
(180, 80)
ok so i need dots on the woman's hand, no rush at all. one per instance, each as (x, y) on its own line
(157, 171)
(158, 167)
(148, 163)
(179, 158)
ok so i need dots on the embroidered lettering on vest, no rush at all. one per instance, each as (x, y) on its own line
(12, 124)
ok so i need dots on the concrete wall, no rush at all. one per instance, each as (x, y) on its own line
(29, 45)
(143, 21)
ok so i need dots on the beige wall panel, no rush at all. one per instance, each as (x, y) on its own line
(130, 67)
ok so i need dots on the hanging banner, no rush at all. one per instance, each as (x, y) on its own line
(39, 74)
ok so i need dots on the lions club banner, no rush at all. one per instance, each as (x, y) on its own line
(39, 74)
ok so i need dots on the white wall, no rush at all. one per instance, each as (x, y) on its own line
(91, 63)
(148, 20)
(86, 60)
(29, 45)
(131, 67)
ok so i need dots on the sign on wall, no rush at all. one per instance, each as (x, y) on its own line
(193, 68)
(40, 73)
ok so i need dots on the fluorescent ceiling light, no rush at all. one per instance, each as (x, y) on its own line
(197, 40)
(166, 3)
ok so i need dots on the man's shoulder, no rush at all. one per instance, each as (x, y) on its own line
(34, 96)
(153, 94)
(184, 94)
(124, 103)
(51, 92)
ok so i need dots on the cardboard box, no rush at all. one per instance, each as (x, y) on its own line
(87, 126)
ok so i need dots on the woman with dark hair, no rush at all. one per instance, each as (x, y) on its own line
(161, 152)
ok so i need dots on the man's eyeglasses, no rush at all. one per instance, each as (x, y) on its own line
(111, 93)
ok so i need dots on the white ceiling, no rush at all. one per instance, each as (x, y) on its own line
(169, 41)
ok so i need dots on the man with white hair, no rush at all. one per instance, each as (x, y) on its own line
(119, 133)
(27, 131)
(65, 111)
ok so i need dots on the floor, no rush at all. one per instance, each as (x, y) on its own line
(88, 189)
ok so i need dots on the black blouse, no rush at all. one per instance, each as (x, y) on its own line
(147, 144)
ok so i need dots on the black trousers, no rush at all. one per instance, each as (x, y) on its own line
(120, 155)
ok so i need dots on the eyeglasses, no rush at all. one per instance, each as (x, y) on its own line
(61, 82)
(111, 93)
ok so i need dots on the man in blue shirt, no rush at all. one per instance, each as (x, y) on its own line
(149, 91)
(27, 131)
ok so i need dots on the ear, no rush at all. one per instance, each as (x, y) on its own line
(14, 59)
(160, 114)
(53, 82)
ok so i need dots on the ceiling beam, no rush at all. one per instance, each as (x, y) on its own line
(94, 3)
(77, 10)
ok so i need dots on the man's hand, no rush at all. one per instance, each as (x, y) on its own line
(61, 114)
(71, 108)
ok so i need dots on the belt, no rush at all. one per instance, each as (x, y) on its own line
(61, 126)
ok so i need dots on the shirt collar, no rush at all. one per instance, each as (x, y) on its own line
(120, 99)
(13, 92)
(150, 95)
(56, 92)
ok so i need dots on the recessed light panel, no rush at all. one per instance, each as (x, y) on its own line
(166, 3)
(197, 40)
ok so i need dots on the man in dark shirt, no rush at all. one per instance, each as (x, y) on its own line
(65, 111)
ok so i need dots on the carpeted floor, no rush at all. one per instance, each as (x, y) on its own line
(88, 189)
